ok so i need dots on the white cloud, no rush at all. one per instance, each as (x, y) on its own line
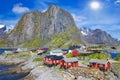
(44, 10)
(78, 18)
(40, 4)
(82, 21)
(18, 8)
(109, 25)
(117, 2)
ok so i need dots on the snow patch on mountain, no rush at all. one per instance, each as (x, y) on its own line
(9, 28)
(84, 33)
(1, 26)
(4, 30)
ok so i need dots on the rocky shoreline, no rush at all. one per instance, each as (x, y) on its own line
(4, 60)
(37, 71)
(34, 70)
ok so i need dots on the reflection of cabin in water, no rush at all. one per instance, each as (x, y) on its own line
(100, 64)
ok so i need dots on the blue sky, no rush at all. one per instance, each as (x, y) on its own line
(106, 17)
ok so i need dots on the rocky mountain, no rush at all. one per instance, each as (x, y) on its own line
(98, 36)
(4, 30)
(45, 26)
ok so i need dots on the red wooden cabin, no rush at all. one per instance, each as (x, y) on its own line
(77, 52)
(69, 62)
(33, 50)
(100, 64)
(48, 60)
(52, 60)
(57, 60)
(42, 50)
(15, 53)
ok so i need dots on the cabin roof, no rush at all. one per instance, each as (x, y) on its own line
(57, 51)
(58, 57)
(55, 57)
(98, 61)
(50, 56)
(70, 59)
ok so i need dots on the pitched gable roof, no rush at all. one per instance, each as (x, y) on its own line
(70, 59)
(55, 57)
(98, 61)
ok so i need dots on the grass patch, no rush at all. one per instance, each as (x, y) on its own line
(37, 42)
(71, 35)
(69, 55)
(2, 44)
(38, 60)
(21, 55)
(118, 58)
(102, 56)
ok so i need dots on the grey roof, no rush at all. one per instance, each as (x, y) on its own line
(57, 51)
(98, 61)
(70, 59)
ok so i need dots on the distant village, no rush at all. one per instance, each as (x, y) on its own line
(85, 61)
(67, 58)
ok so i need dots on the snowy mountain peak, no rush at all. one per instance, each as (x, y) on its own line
(9, 28)
(1, 26)
(4, 30)
(85, 31)
(98, 36)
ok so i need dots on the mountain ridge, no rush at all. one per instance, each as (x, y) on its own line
(98, 36)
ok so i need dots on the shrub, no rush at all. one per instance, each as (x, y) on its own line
(69, 55)
(118, 58)
(103, 56)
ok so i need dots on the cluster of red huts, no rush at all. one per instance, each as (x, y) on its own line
(100, 64)
(51, 60)
(56, 58)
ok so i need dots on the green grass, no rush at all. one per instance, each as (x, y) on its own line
(99, 56)
(67, 38)
(118, 58)
(35, 43)
(69, 55)
(2, 44)
(21, 55)
(38, 60)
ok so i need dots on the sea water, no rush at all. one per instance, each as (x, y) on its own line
(12, 76)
